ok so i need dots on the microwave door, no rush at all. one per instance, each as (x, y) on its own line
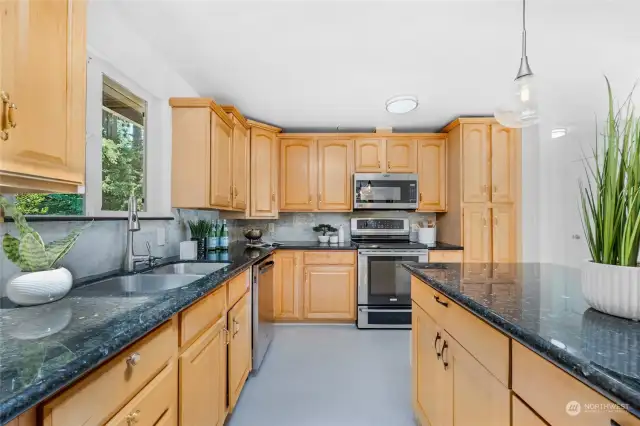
(378, 193)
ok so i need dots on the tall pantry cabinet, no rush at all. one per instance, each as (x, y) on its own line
(484, 175)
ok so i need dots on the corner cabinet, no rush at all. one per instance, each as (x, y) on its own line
(42, 125)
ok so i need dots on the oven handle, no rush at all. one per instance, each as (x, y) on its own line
(383, 310)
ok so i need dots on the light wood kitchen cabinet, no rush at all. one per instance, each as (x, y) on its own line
(432, 175)
(264, 171)
(288, 285)
(240, 157)
(503, 233)
(203, 378)
(221, 150)
(402, 155)
(329, 292)
(523, 416)
(298, 174)
(26, 419)
(445, 256)
(155, 405)
(335, 169)
(503, 164)
(371, 155)
(42, 146)
(239, 356)
(477, 234)
(475, 163)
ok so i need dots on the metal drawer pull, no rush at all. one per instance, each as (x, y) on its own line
(445, 346)
(435, 345)
(383, 310)
(445, 304)
(133, 359)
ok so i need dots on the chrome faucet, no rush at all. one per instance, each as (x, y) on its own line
(133, 225)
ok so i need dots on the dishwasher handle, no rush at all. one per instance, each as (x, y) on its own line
(264, 267)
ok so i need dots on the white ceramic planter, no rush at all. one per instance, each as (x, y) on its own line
(36, 288)
(323, 238)
(612, 289)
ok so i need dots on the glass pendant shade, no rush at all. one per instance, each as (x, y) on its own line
(520, 105)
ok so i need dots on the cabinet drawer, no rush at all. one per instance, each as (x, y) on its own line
(329, 258)
(195, 319)
(95, 399)
(485, 343)
(237, 287)
(445, 256)
(531, 373)
(155, 405)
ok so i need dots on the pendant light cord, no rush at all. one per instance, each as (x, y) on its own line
(524, 29)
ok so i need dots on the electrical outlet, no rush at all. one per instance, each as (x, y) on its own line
(161, 236)
(272, 228)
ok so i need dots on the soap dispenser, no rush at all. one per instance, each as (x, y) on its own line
(341, 234)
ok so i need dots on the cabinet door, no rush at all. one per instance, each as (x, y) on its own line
(43, 72)
(504, 234)
(264, 173)
(503, 163)
(329, 293)
(240, 167)
(523, 416)
(335, 182)
(203, 378)
(402, 155)
(287, 302)
(221, 141)
(432, 175)
(239, 358)
(477, 234)
(155, 405)
(475, 162)
(427, 372)
(475, 396)
(371, 156)
(298, 175)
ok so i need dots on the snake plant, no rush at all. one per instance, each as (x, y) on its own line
(610, 200)
(29, 252)
(200, 228)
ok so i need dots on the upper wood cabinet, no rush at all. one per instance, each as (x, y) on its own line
(432, 175)
(371, 155)
(298, 174)
(475, 163)
(202, 147)
(221, 149)
(264, 171)
(42, 85)
(503, 164)
(240, 157)
(239, 357)
(335, 169)
(329, 292)
(287, 302)
(401, 155)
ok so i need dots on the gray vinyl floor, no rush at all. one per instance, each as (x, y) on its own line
(320, 375)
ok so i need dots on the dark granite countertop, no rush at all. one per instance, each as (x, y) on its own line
(541, 306)
(445, 246)
(314, 245)
(44, 348)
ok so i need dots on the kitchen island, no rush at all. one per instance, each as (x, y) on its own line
(537, 350)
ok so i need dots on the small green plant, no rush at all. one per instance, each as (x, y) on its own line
(611, 198)
(324, 228)
(29, 252)
(199, 228)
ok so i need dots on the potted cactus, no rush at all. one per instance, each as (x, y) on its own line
(41, 280)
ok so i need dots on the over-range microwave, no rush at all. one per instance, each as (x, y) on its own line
(391, 191)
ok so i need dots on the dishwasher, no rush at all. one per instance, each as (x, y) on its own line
(262, 310)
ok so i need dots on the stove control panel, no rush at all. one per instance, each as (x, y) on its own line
(382, 226)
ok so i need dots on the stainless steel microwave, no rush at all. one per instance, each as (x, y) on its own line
(391, 191)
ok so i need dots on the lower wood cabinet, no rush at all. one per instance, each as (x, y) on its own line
(203, 378)
(522, 415)
(445, 256)
(239, 356)
(287, 286)
(329, 292)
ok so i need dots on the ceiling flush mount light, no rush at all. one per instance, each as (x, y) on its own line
(520, 108)
(402, 104)
(558, 132)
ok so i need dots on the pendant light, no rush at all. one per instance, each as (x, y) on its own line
(520, 108)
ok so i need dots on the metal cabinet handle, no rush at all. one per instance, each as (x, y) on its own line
(388, 164)
(495, 189)
(435, 345)
(445, 346)
(484, 220)
(7, 121)
(378, 163)
(235, 191)
(483, 188)
(495, 220)
(273, 196)
(236, 327)
(320, 197)
(309, 199)
(227, 339)
(132, 418)
(421, 197)
(133, 359)
(437, 298)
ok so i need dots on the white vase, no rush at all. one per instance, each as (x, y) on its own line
(612, 289)
(323, 238)
(36, 288)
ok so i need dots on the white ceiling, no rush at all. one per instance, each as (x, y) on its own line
(323, 64)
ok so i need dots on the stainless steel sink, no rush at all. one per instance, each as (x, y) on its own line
(145, 283)
(188, 268)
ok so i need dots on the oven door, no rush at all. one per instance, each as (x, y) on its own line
(385, 191)
(382, 280)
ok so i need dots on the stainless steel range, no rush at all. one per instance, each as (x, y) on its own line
(384, 298)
